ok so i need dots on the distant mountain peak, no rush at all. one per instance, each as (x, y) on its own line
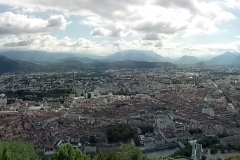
(138, 55)
(188, 60)
(223, 59)
(227, 53)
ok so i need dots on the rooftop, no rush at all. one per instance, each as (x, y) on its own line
(2, 95)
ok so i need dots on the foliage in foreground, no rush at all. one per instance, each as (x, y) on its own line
(18, 151)
(26, 151)
(129, 152)
(235, 158)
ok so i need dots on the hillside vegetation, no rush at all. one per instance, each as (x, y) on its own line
(26, 151)
(9, 65)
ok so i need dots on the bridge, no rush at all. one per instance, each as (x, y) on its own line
(181, 145)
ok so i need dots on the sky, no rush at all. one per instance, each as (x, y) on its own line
(171, 28)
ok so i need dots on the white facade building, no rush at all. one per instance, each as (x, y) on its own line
(208, 111)
(164, 122)
(199, 151)
(3, 99)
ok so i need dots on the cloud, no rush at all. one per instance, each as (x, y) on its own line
(158, 44)
(81, 7)
(52, 44)
(100, 32)
(135, 16)
(57, 21)
(139, 24)
(112, 32)
(18, 44)
(231, 4)
(151, 36)
(11, 23)
(185, 4)
(159, 27)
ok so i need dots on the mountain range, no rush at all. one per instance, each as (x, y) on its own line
(9, 65)
(225, 59)
(135, 55)
(39, 57)
(188, 60)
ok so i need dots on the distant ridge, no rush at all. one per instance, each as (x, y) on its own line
(136, 55)
(224, 59)
(133, 55)
(8, 65)
(236, 60)
(188, 60)
(41, 56)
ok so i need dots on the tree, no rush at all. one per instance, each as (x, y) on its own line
(67, 152)
(146, 129)
(223, 150)
(213, 151)
(26, 151)
(6, 155)
(204, 157)
(208, 141)
(236, 158)
(186, 152)
(131, 153)
(17, 151)
(119, 133)
(215, 140)
(100, 156)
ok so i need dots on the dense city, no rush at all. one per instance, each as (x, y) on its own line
(99, 110)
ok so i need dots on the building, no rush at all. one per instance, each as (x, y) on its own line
(164, 122)
(199, 151)
(73, 116)
(219, 129)
(169, 136)
(3, 99)
(159, 140)
(90, 149)
(208, 111)
(196, 150)
(231, 140)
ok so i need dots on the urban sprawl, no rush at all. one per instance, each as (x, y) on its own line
(97, 110)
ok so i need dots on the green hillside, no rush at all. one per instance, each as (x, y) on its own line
(8, 65)
(26, 151)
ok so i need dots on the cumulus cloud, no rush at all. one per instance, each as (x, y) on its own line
(52, 44)
(100, 32)
(159, 27)
(185, 4)
(18, 44)
(112, 32)
(116, 10)
(158, 44)
(57, 21)
(143, 16)
(11, 23)
(151, 36)
(143, 21)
